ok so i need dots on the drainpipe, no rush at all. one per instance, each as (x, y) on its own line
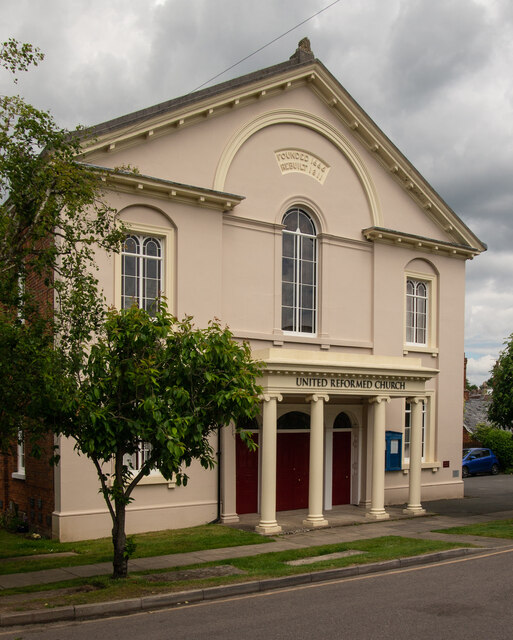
(218, 517)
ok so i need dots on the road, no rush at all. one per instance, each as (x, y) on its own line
(483, 495)
(463, 598)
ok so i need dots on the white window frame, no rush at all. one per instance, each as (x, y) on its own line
(166, 236)
(417, 312)
(298, 260)
(20, 473)
(21, 292)
(141, 278)
(428, 431)
(135, 461)
(430, 282)
(407, 430)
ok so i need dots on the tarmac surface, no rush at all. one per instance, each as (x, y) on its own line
(486, 498)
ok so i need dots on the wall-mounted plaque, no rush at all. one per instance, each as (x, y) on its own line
(298, 161)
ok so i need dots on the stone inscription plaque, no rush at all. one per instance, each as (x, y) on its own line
(298, 161)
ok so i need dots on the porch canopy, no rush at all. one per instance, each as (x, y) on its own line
(299, 376)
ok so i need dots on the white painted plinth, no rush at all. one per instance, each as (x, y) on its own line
(268, 529)
(316, 522)
(414, 511)
(377, 515)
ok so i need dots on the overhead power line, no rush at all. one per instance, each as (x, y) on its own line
(265, 45)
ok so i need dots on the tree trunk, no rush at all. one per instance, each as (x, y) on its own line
(120, 562)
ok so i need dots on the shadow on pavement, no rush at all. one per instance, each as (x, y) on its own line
(483, 494)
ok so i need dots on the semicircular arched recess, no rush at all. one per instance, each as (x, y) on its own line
(304, 119)
(141, 213)
(422, 265)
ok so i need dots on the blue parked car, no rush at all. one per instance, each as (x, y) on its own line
(479, 461)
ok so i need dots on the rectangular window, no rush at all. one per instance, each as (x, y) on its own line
(21, 296)
(136, 460)
(19, 474)
(407, 430)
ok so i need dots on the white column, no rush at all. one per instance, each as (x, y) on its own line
(377, 510)
(315, 516)
(268, 523)
(414, 507)
(228, 475)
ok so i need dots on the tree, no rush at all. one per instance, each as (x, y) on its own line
(470, 387)
(29, 375)
(500, 411)
(52, 218)
(499, 441)
(161, 382)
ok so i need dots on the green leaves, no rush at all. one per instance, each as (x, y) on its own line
(158, 381)
(500, 410)
(17, 56)
(163, 382)
(52, 220)
(499, 441)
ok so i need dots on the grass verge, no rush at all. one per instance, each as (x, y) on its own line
(493, 529)
(157, 543)
(266, 565)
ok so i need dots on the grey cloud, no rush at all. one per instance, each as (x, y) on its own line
(432, 45)
(190, 47)
(434, 75)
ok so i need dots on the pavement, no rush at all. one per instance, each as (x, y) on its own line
(484, 501)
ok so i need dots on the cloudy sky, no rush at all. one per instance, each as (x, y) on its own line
(434, 74)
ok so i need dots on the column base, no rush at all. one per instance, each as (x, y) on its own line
(414, 511)
(268, 528)
(228, 518)
(316, 521)
(380, 514)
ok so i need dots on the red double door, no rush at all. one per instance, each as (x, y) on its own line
(341, 484)
(292, 472)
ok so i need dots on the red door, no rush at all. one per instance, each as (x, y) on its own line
(246, 477)
(341, 490)
(292, 462)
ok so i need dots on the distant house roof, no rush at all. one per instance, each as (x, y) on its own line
(476, 412)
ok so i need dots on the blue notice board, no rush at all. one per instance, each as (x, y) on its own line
(393, 450)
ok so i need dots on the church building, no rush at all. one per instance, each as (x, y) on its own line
(274, 203)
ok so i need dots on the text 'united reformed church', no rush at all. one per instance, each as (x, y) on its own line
(350, 383)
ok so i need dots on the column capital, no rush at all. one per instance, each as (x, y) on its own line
(267, 397)
(379, 399)
(315, 397)
(416, 399)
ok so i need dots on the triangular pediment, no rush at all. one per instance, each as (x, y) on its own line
(302, 70)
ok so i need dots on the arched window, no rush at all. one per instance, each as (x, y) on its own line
(299, 273)
(342, 421)
(416, 312)
(294, 420)
(141, 272)
(248, 424)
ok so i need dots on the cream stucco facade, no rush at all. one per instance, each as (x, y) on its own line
(219, 172)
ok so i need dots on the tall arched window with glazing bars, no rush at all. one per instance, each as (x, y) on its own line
(141, 272)
(416, 311)
(299, 273)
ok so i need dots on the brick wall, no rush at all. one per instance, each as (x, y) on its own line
(33, 496)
